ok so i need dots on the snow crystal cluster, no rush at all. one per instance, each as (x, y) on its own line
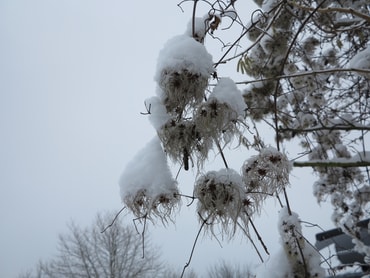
(183, 69)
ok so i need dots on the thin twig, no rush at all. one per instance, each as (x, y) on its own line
(114, 220)
(187, 196)
(143, 237)
(143, 231)
(193, 19)
(258, 235)
(287, 201)
(193, 248)
(222, 154)
(251, 240)
(314, 247)
(279, 200)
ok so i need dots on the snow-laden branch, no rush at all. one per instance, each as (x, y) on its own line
(331, 163)
(333, 127)
(306, 73)
(359, 160)
(333, 9)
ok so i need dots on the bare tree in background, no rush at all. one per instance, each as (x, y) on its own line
(116, 253)
(224, 270)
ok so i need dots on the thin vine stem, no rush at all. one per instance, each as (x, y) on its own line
(193, 248)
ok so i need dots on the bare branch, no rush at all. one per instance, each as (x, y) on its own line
(329, 163)
(114, 220)
(333, 127)
(306, 73)
(193, 248)
(333, 9)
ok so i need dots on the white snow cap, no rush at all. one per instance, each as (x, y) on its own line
(199, 28)
(227, 92)
(361, 60)
(148, 170)
(184, 53)
(227, 176)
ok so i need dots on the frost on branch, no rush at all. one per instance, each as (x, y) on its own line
(147, 186)
(266, 174)
(221, 200)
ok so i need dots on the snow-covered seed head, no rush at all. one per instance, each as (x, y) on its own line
(330, 57)
(256, 26)
(258, 99)
(143, 205)
(316, 100)
(214, 119)
(183, 69)
(182, 140)
(181, 88)
(284, 20)
(266, 173)
(221, 200)
(255, 65)
(295, 247)
(276, 42)
(290, 232)
(147, 186)
(310, 44)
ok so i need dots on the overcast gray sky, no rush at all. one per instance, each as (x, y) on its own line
(74, 75)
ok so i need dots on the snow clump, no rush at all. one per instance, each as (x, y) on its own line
(219, 114)
(147, 186)
(361, 60)
(183, 69)
(304, 260)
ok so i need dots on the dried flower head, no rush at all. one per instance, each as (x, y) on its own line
(144, 205)
(182, 140)
(266, 173)
(181, 88)
(147, 186)
(183, 69)
(221, 200)
(216, 120)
